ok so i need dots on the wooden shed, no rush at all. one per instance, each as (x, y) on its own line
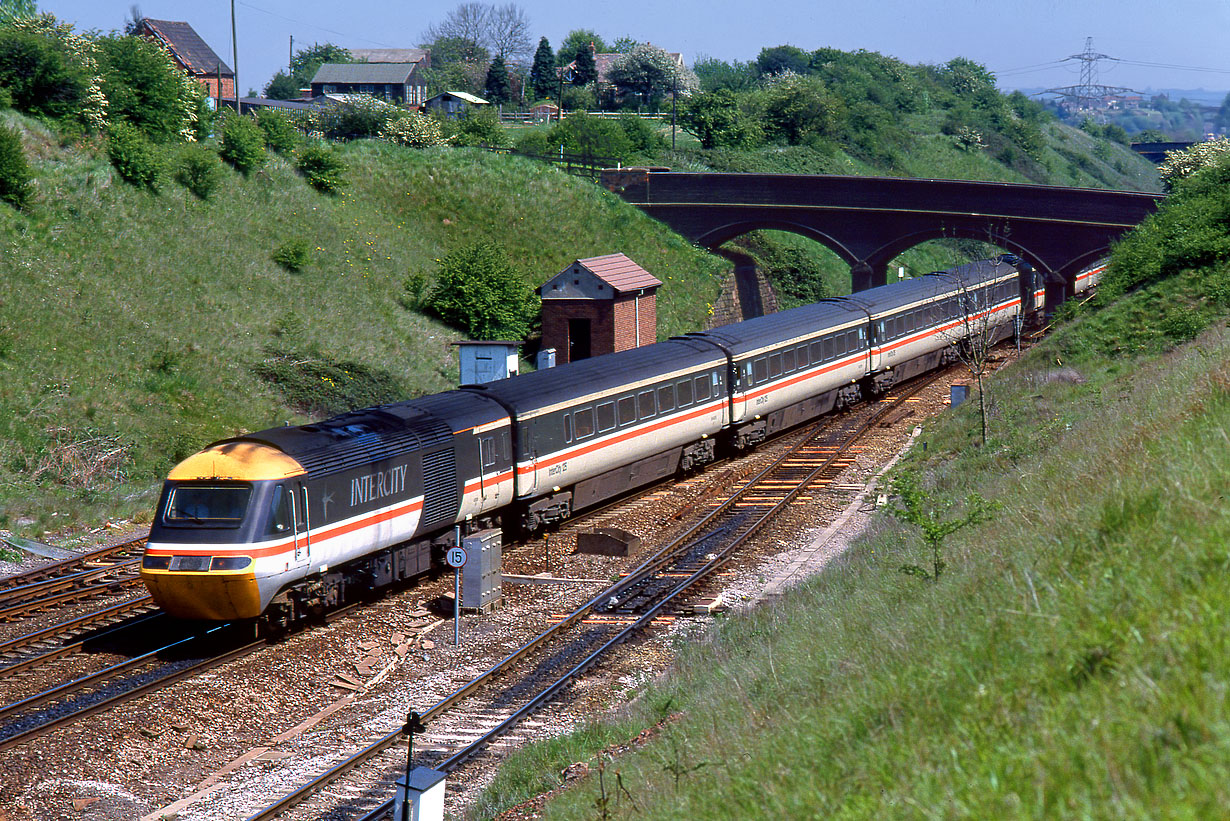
(599, 305)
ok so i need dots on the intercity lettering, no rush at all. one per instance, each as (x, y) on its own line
(389, 482)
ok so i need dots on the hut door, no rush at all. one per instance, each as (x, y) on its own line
(579, 346)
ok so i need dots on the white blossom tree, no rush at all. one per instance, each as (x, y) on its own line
(652, 73)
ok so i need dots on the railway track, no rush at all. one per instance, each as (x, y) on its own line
(105, 571)
(469, 720)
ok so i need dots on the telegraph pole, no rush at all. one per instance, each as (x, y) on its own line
(235, 58)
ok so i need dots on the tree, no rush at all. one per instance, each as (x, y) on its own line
(915, 506)
(39, 71)
(801, 109)
(303, 67)
(478, 290)
(11, 10)
(1222, 118)
(586, 70)
(282, 87)
(781, 59)
(578, 39)
(145, 89)
(508, 33)
(497, 81)
(716, 120)
(651, 73)
(543, 78)
(468, 26)
(715, 74)
(623, 45)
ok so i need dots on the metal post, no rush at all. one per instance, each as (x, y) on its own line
(674, 105)
(414, 724)
(457, 592)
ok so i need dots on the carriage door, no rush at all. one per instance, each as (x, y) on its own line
(299, 517)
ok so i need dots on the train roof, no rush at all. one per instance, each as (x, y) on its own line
(533, 392)
(778, 328)
(908, 291)
(368, 435)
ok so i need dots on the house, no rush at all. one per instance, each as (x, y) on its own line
(401, 82)
(599, 305)
(453, 103)
(190, 53)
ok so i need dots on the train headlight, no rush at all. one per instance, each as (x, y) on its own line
(230, 563)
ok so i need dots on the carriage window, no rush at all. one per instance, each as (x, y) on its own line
(817, 352)
(646, 404)
(852, 341)
(627, 410)
(802, 353)
(684, 391)
(606, 416)
(762, 371)
(702, 388)
(828, 344)
(583, 422)
(775, 365)
(788, 360)
(666, 398)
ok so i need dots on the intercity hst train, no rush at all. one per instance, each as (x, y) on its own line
(286, 522)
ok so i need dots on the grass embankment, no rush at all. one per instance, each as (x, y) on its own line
(133, 326)
(1072, 660)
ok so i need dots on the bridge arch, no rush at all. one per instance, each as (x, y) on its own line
(878, 260)
(713, 239)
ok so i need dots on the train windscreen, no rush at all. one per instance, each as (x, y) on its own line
(207, 505)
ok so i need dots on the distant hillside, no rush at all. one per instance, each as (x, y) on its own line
(135, 328)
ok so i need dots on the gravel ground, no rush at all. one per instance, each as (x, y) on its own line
(229, 742)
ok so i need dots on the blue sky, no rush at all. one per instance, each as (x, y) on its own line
(1004, 35)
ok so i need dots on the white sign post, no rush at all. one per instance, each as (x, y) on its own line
(456, 558)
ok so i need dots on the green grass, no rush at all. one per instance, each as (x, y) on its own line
(1071, 662)
(135, 328)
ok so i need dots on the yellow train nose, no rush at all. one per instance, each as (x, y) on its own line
(211, 596)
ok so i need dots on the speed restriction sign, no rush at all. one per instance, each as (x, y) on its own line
(456, 557)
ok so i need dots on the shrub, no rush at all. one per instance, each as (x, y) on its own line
(14, 172)
(242, 144)
(414, 131)
(197, 169)
(592, 136)
(280, 133)
(293, 255)
(6, 98)
(355, 119)
(318, 385)
(478, 290)
(40, 73)
(480, 127)
(143, 87)
(322, 167)
(135, 158)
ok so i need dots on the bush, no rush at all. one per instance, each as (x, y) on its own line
(593, 137)
(6, 98)
(414, 131)
(480, 127)
(14, 172)
(478, 290)
(135, 158)
(355, 119)
(242, 144)
(318, 385)
(280, 133)
(143, 87)
(197, 169)
(40, 74)
(293, 255)
(322, 167)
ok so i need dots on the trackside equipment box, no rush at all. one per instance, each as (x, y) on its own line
(480, 578)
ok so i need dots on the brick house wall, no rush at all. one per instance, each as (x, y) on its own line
(211, 85)
(625, 311)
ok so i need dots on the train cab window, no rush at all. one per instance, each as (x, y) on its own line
(683, 390)
(788, 360)
(760, 369)
(666, 398)
(208, 505)
(702, 387)
(646, 405)
(583, 423)
(279, 517)
(486, 449)
(627, 410)
(606, 416)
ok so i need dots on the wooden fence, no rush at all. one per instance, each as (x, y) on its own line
(579, 165)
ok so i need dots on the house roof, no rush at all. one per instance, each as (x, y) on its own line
(389, 55)
(186, 46)
(363, 73)
(461, 95)
(621, 273)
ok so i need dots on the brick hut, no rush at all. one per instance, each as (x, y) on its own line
(599, 305)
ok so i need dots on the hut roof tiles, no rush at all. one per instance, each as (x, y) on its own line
(621, 273)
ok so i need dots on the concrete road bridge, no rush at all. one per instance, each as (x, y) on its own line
(868, 221)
